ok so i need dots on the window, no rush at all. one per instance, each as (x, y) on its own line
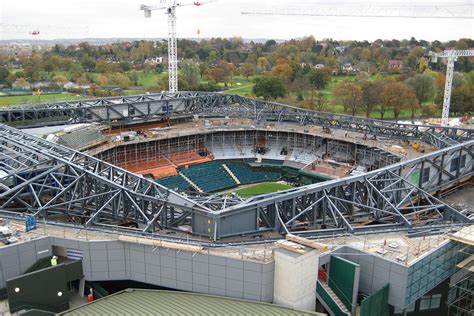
(430, 302)
(164, 108)
(454, 164)
(426, 175)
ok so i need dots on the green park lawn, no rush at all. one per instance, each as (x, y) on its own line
(237, 85)
(29, 99)
(149, 79)
(261, 188)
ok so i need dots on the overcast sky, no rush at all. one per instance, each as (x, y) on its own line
(122, 19)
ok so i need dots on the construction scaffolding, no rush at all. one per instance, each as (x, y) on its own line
(461, 292)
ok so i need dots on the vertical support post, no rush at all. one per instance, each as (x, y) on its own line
(447, 90)
(172, 51)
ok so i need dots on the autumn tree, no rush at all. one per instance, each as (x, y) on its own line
(423, 64)
(217, 74)
(4, 73)
(59, 79)
(119, 79)
(414, 56)
(83, 80)
(102, 80)
(190, 74)
(142, 51)
(247, 70)
(320, 102)
(32, 67)
(202, 69)
(349, 95)
(48, 65)
(88, 63)
(423, 85)
(229, 70)
(284, 72)
(371, 95)
(462, 99)
(319, 79)
(103, 66)
(134, 77)
(439, 83)
(397, 96)
(269, 87)
(262, 64)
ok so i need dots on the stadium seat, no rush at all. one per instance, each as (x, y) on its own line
(175, 183)
(247, 174)
(209, 177)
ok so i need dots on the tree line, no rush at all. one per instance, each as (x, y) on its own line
(300, 71)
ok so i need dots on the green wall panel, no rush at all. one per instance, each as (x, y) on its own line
(376, 304)
(342, 276)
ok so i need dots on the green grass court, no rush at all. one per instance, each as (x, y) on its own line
(261, 188)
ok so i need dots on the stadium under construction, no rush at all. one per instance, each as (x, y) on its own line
(230, 196)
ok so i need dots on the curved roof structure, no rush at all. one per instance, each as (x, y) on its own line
(48, 180)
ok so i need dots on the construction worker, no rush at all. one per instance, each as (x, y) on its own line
(54, 261)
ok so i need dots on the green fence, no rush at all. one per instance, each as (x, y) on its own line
(376, 304)
(342, 276)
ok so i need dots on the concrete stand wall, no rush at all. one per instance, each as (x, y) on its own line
(295, 279)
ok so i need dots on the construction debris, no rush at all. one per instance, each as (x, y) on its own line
(307, 242)
(160, 243)
(291, 246)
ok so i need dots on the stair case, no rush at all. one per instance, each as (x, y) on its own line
(330, 299)
(194, 185)
(231, 173)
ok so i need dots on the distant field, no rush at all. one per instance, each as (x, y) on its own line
(29, 99)
(240, 85)
(261, 188)
(245, 91)
(149, 79)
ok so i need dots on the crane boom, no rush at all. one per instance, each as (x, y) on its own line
(453, 53)
(438, 10)
(451, 56)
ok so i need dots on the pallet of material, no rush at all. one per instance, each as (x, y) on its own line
(291, 246)
(307, 242)
(465, 262)
(160, 243)
(465, 236)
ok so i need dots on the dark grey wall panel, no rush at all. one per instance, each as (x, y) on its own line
(17, 258)
(115, 260)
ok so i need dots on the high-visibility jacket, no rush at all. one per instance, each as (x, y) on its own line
(54, 261)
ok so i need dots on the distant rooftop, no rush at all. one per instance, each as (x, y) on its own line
(157, 302)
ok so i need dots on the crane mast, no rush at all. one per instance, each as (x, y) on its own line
(170, 10)
(451, 56)
(172, 51)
